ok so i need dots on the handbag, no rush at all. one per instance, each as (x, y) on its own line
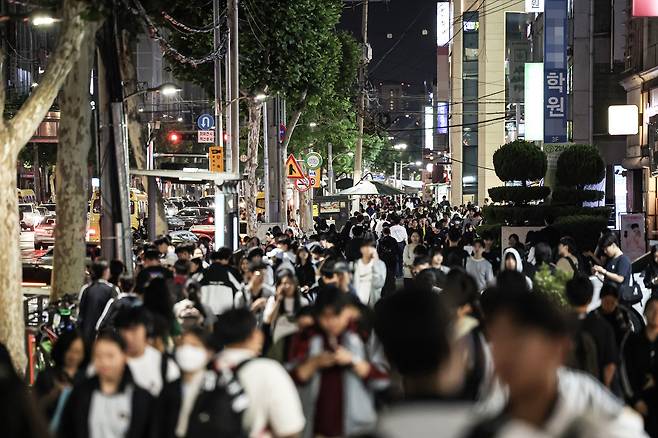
(630, 294)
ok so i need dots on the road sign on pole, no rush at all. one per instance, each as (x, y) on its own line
(314, 160)
(216, 158)
(315, 175)
(206, 136)
(293, 169)
(205, 122)
(303, 184)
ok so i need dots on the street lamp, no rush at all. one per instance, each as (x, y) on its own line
(400, 146)
(260, 97)
(166, 89)
(313, 124)
(43, 20)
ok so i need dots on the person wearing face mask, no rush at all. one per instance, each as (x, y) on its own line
(179, 397)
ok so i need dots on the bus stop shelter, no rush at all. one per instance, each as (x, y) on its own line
(227, 216)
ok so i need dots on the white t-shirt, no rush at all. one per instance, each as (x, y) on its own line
(426, 420)
(399, 233)
(147, 370)
(363, 279)
(273, 399)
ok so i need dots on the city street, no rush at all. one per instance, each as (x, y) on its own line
(335, 218)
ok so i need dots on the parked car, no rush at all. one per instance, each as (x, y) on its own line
(191, 203)
(207, 231)
(207, 201)
(29, 214)
(189, 216)
(175, 223)
(178, 237)
(44, 233)
(50, 207)
(170, 208)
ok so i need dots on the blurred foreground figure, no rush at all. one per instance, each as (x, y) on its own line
(530, 339)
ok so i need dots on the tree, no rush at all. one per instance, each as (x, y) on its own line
(578, 165)
(15, 133)
(519, 161)
(72, 175)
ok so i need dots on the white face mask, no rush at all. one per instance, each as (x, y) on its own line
(191, 358)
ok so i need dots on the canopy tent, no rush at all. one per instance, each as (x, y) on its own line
(365, 188)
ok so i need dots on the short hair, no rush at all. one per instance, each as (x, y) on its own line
(255, 252)
(284, 240)
(533, 310)
(460, 289)
(386, 231)
(182, 267)
(117, 267)
(202, 335)
(608, 239)
(579, 291)
(129, 317)
(454, 235)
(609, 290)
(411, 317)
(185, 248)
(570, 243)
(161, 241)
(98, 268)
(357, 231)
(422, 260)
(223, 253)
(109, 335)
(234, 326)
(330, 297)
(151, 254)
(478, 242)
(514, 236)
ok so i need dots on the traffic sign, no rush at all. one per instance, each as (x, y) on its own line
(315, 175)
(314, 160)
(303, 184)
(293, 170)
(205, 122)
(216, 159)
(206, 136)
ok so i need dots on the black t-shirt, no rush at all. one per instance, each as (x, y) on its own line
(604, 337)
(150, 273)
(620, 266)
(455, 256)
(493, 257)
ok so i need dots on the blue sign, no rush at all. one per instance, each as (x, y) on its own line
(205, 122)
(442, 118)
(555, 71)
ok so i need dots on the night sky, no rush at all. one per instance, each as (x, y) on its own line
(413, 60)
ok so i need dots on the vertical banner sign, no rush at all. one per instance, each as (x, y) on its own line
(534, 101)
(555, 71)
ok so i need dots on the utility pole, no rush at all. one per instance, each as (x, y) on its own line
(358, 153)
(235, 86)
(330, 168)
(219, 131)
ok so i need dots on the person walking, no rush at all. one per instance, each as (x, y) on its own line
(408, 257)
(93, 299)
(109, 404)
(479, 267)
(369, 274)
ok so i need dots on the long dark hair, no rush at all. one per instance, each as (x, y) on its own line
(297, 297)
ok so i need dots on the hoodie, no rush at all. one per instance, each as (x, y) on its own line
(519, 264)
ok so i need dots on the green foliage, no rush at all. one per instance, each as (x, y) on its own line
(585, 229)
(518, 194)
(520, 161)
(494, 229)
(580, 165)
(553, 285)
(571, 196)
(537, 214)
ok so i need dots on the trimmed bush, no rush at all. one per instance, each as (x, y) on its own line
(494, 229)
(571, 196)
(580, 165)
(520, 161)
(584, 229)
(519, 194)
(537, 214)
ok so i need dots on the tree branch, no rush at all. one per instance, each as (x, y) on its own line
(74, 30)
(3, 91)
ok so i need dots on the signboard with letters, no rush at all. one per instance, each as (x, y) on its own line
(216, 159)
(555, 71)
(206, 136)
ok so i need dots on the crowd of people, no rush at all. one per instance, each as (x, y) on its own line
(403, 323)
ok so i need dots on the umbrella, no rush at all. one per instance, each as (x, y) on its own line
(364, 188)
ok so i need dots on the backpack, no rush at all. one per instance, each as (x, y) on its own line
(584, 356)
(220, 405)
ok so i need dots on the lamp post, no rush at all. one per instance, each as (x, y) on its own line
(166, 89)
(330, 166)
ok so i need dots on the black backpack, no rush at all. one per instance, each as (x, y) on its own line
(219, 407)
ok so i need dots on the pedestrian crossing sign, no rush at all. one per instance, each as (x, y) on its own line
(293, 169)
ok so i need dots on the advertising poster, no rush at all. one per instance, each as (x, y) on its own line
(633, 238)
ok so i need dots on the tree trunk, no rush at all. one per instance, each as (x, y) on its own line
(306, 211)
(135, 128)
(290, 128)
(72, 186)
(15, 133)
(251, 184)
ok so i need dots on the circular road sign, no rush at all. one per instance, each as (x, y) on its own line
(304, 184)
(314, 160)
